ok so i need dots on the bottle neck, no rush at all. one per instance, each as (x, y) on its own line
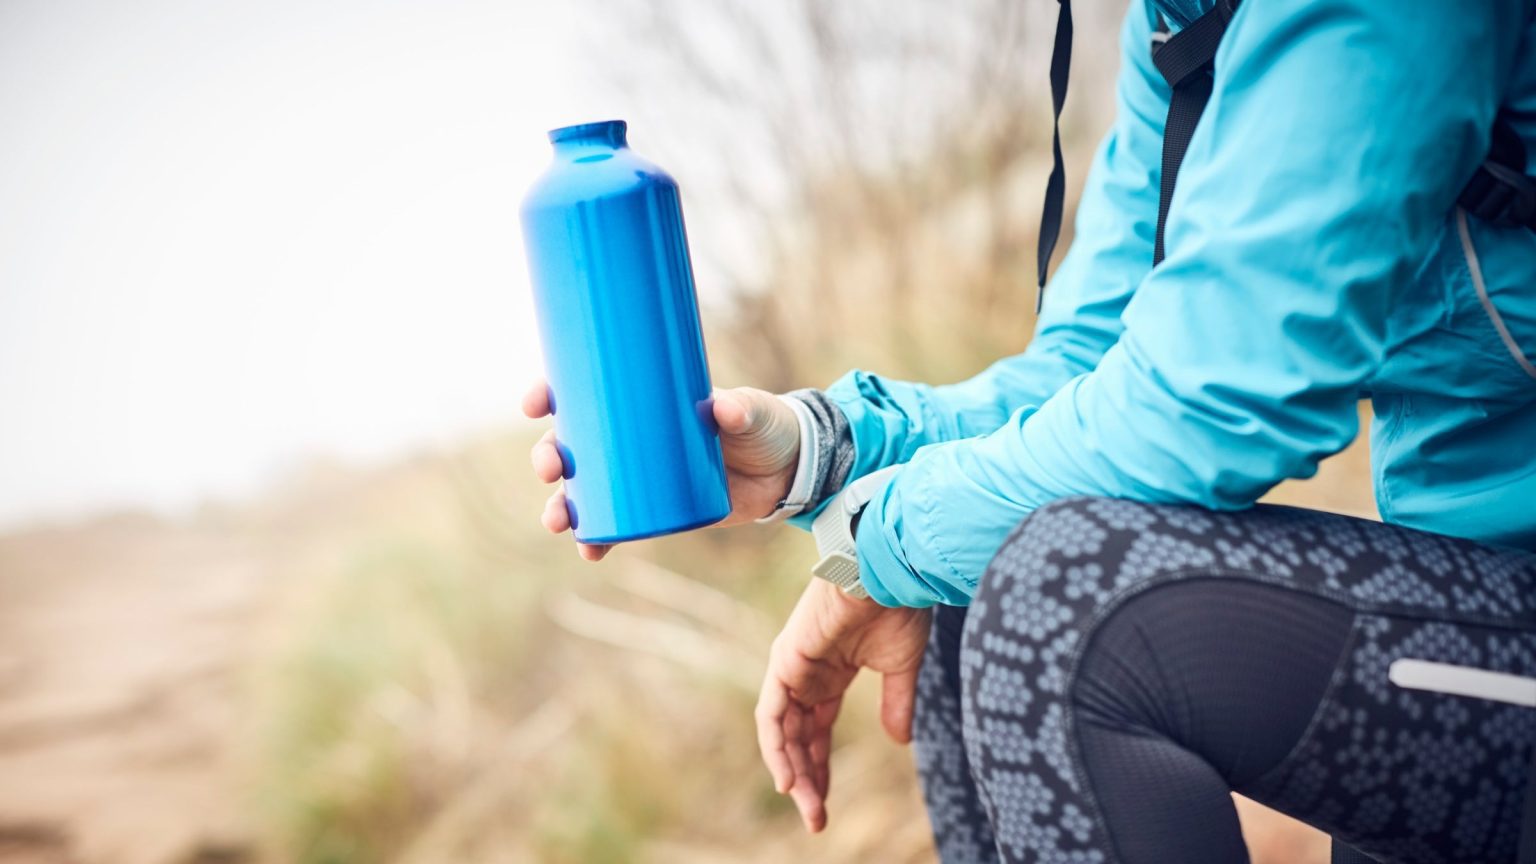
(586, 139)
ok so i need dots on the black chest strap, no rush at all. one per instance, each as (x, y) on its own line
(1500, 191)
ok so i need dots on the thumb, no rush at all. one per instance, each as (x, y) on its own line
(745, 410)
(898, 691)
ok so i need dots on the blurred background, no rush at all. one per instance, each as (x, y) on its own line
(272, 586)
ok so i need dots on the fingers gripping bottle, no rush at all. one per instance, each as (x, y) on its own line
(623, 349)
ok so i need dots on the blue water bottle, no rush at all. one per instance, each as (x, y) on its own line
(623, 349)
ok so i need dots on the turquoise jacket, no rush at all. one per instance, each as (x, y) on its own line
(1315, 256)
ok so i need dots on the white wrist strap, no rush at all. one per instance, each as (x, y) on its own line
(833, 530)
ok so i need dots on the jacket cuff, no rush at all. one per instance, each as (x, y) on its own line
(900, 562)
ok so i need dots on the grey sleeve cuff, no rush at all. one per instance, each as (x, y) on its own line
(833, 438)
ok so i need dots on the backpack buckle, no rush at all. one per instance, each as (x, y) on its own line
(1500, 195)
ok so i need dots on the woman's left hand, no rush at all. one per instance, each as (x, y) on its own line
(825, 642)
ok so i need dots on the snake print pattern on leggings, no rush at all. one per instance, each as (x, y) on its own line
(1402, 775)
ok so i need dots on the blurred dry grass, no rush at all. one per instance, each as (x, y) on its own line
(398, 665)
(480, 695)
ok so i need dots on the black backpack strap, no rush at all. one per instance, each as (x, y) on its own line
(1185, 60)
(1056, 187)
(1500, 191)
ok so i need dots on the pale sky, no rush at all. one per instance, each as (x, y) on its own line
(235, 234)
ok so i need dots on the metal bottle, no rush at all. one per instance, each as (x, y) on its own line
(623, 348)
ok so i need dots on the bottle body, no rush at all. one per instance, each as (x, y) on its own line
(623, 346)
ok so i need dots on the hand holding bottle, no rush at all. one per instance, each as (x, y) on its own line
(759, 435)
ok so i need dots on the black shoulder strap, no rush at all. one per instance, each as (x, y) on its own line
(1056, 186)
(1185, 60)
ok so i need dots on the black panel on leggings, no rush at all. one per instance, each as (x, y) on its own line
(1232, 671)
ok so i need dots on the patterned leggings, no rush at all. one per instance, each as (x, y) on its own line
(1124, 666)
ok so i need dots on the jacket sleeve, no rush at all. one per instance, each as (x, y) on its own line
(1115, 222)
(1336, 141)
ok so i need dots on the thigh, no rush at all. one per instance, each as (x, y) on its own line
(1293, 699)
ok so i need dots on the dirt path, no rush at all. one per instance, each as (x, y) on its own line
(121, 645)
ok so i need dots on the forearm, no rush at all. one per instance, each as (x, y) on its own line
(900, 417)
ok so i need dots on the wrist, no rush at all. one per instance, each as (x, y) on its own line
(838, 611)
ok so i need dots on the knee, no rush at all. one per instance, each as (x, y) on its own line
(1038, 603)
(1038, 598)
(1094, 548)
(1065, 539)
(1053, 580)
